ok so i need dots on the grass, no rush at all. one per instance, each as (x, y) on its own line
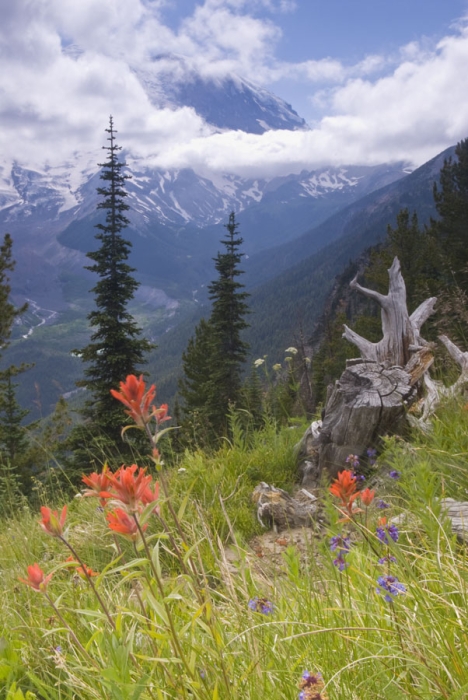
(183, 627)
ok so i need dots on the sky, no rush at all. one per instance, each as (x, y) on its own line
(376, 80)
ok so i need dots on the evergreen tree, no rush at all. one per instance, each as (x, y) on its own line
(115, 349)
(451, 230)
(227, 320)
(214, 357)
(13, 435)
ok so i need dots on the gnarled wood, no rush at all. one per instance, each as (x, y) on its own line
(436, 391)
(401, 332)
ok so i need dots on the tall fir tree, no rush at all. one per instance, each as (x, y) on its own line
(116, 348)
(450, 231)
(13, 436)
(214, 358)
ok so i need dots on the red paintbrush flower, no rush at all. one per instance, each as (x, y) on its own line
(138, 401)
(123, 523)
(345, 488)
(82, 571)
(128, 487)
(160, 414)
(367, 496)
(36, 578)
(97, 484)
(51, 522)
(151, 496)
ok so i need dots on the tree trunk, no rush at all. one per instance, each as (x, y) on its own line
(400, 331)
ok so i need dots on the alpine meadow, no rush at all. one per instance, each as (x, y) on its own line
(233, 350)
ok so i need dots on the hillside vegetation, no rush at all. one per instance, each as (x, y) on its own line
(196, 612)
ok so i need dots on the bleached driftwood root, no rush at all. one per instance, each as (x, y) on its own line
(436, 391)
(401, 332)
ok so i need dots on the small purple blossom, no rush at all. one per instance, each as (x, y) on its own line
(261, 605)
(390, 586)
(371, 452)
(353, 461)
(340, 561)
(359, 477)
(392, 530)
(389, 559)
(340, 543)
(381, 504)
(394, 474)
(311, 685)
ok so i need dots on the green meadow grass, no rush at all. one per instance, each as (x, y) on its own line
(195, 636)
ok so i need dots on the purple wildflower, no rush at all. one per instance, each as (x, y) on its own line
(394, 474)
(359, 477)
(385, 560)
(311, 686)
(392, 530)
(381, 504)
(353, 461)
(339, 543)
(261, 605)
(340, 561)
(390, 586)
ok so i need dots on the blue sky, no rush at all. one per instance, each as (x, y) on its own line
(377, 80)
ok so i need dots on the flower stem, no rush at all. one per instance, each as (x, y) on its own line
(90, 581)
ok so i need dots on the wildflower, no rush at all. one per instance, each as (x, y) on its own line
(340, 561)
(82, 571)
(311, 686)
(160, 414)
(261, 605)
(344, 488)
(394, 474)
(391, 586)
(36, 578)
(151, 496)
(291, 350)
(97, 483)
(128, 486)
(383, 530)
(138, 401)
(353, 460)
(367, 496)
(382, 505)
(121, 522)
(259, 362)
(387, 560)
(359, 477)
(340, 543)
(51, 522)
(277, 367)
(371, 452)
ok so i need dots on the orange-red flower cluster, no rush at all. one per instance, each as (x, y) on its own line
(138, 401)
(123, 523)
(82, 571)
(36, 578)
(130, 489)
(51, 522)
(367, 496)
(345, 488)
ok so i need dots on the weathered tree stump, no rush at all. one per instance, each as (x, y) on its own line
(372, 395)
(368, 401)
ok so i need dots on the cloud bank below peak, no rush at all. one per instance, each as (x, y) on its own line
(68, 65)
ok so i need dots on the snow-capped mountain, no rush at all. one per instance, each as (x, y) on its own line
(227, 103)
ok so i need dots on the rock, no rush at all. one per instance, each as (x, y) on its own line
(278, 509)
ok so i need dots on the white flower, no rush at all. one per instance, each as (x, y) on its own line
(259, 362)
(292, 350)
(277, 367)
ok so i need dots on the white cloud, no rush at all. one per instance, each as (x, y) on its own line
(67, 65)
